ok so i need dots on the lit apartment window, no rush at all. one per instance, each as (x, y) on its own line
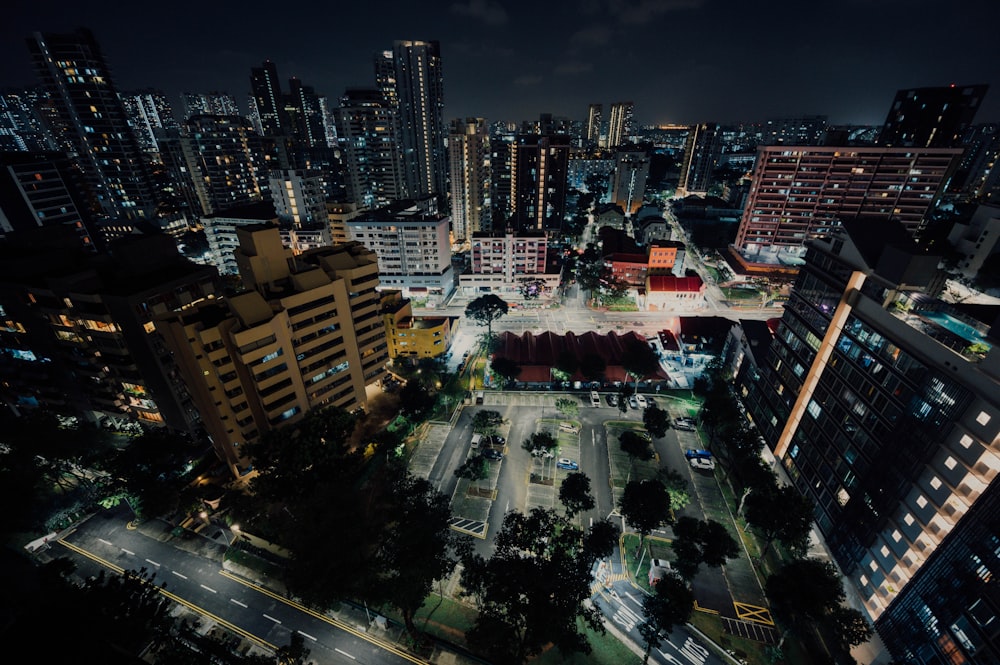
(936, 482)
(908, 518)
(966, 441)
(983, 418)
(950, 462)
(921, 501)
(896, 535)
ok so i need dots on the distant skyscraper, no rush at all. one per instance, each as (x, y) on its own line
(420, 92)
(370, 148)
(469, 161)
(539, 176)
(931, 117)
(592, 132)
(502, 142)
(21, 129)
(629, 180)
(308, 123)
(265, 89)
(882, 404)
(702, 154)
(802, 192)
(619, 124)
(151, 117)
(90, 117)
(211, 103)
(223, 155)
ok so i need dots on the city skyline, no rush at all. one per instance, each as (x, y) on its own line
(678, 61)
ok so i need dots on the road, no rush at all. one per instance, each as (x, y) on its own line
(197, 581)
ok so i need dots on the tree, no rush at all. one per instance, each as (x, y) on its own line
(506, 368)
(656, 420)
(670, 604)
(850, 626)
(565, 366)
(474, 468)
(540, 442)
(574, 493)
(677, 487)
(417, 554)
(780, 514)
(701, 541)
(568, 407)
(533, 590)
(805, 591)
(645, 505)
(486, 421)
(415, 401)
(486, 309)
(635, 445)
(639, 360)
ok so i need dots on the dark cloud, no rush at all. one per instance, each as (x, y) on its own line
(491, 13)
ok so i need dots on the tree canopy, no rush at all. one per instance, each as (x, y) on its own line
(656, 420)
(645, 505)
(486, 309)
(701, 541)
(780, 513)
(574, 493)
(533, 590)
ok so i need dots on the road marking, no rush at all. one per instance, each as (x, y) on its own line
(153, 563)
(236, 602)
(306, 635)
(183, 577)
(754, 613)
(208, 588)
(130, 553)
(272, 619)
(101, 540)
(345, 653)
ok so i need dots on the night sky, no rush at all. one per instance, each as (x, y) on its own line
(679, 61)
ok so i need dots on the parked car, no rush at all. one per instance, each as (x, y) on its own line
(685, 424)
(704, 463)
(476, 440)
(568, 464)
(495, 440)
(691, 453)
(542, 452)
(595, 399)
(633, 402)
(569, 428)
(612, 399)
(641, 401)
(492, 454)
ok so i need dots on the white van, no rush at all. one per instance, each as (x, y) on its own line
(569, 427)
(595, 399)
(476, 440)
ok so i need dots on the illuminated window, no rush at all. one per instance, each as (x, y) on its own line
(966, 441)
(983, 418)
(863, 579)
(921, 501)
(873, 566)
(950, 462)
(884, 550)
(896, 535)
(908, 518)
(936, 482)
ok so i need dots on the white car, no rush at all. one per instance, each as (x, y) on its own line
(705, 463)
(633, 402)
(641, 400)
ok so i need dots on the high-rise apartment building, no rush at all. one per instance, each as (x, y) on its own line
(628, 184)
(268, 100)
(78, 327)
(305, 111)
(539, 176)
(367, 132)
(936, 117)
(411, 240)
(882, 404)
(469, 163)
(702, 154)
(152, 117)
(307, 334)
(619, 124)
(592, 130)
(223, 155)
(211, 103)
(419, 96)
(21, 130)
(503, 139)
(801, 192)
(300, 204)
(499, 263)
(45, 189)
(89, 117)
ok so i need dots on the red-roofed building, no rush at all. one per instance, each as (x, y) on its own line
(538, 354)
(667, 293)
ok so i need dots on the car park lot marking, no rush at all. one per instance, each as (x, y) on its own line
(475, 528)
(754, 613)
(750, 630)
